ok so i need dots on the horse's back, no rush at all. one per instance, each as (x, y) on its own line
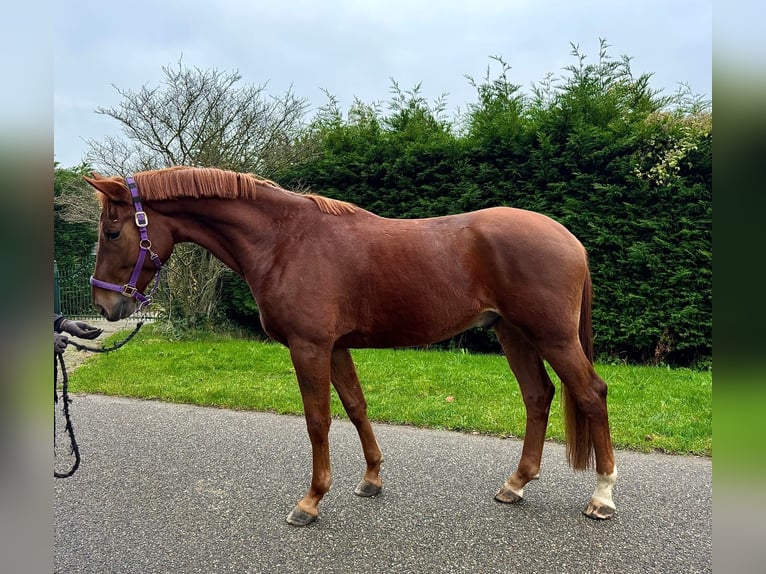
(405, 282)
(482, 249)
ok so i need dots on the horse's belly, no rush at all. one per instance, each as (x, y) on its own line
(417, 329)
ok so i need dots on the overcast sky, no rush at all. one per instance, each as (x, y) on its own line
(352, 48)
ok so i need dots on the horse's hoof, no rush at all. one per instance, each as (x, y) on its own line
(599, 511)
(298, 517)
(508, 496)
(367, 489)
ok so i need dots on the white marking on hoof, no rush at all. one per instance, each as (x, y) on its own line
(602, 495)
(604, 485)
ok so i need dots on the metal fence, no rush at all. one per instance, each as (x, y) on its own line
(71, 290)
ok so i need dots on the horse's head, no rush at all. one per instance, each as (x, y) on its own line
(123, 269)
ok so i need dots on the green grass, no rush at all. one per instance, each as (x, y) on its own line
(650, 408)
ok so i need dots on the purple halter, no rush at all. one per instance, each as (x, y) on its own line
(145, 246)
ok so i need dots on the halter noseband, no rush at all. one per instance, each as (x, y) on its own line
(145, 246)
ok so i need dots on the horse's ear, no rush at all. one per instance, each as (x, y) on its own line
(113, 188)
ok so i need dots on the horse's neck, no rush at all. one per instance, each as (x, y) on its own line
(243, 233)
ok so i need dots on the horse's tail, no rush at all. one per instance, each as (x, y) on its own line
(577, 424)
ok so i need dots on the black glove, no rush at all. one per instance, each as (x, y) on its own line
(59, 343)
(80, 329)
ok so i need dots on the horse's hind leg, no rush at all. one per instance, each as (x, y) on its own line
(587, 421)
(537, 391)
(346, 382)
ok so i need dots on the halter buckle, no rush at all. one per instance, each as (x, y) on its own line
(129, 290)
(141, 219)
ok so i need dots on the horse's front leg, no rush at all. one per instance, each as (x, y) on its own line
(312, 368)
(346, 382)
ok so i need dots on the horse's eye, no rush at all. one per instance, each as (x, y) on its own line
(112, 235)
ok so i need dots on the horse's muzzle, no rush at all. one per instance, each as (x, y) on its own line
(122, 309)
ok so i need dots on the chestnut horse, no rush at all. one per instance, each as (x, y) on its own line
(329, 276)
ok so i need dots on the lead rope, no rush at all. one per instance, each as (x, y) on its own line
(81, 347)
(58, 361)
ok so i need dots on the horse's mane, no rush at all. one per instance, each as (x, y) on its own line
(208, 182)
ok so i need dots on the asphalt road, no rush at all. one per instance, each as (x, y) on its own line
(181, 489)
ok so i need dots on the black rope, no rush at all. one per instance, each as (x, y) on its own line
(58, 360)
(81, 347)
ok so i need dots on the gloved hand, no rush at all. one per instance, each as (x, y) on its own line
(59, 343)
(80, 329)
